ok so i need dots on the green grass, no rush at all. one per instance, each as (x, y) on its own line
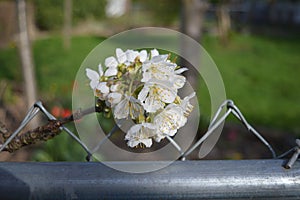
(56, 68)
(261, 74)
(9, 64)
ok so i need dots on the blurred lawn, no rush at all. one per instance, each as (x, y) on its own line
(55, 67)
(261, 75)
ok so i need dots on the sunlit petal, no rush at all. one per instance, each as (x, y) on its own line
(103, 87)
(167, 96)
(181, 70)
(140, 133)
(100, 69)
(92, 75)
(159, 58)
(121, 55)
(143, 55)
(154, 52)
(131, 55)
(111, 62)
(143, 93)
(111, 72)
(179, 81)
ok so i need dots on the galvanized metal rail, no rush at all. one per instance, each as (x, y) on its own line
(245, 179)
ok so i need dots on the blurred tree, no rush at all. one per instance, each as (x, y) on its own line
(223, 16)
(67, 31)
(49, 14)
(163, 12)
(88, 9)
(192, 17)
(26, 56)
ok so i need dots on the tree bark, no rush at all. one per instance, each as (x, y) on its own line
(26, 57)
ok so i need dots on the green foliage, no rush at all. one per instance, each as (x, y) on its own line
(10, 64)
(88, 9)
(162, 12)
(49, 13)
(56, 68)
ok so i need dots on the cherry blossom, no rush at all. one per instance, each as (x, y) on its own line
(143, 87)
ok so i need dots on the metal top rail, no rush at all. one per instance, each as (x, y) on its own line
(227, 179)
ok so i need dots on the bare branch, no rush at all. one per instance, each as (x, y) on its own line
(43, 133)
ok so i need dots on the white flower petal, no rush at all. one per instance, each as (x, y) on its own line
(159, 137)
(111, 72)
(179, 81)
(140, 133)
(92, 75)
(146, 142)
(121, 55)
(146, 77)
(152, 104)
(114, 98)
(143, 93)
(159, 58)
(111, 62)
(185, 104)
(143, 55)
(172, 132)
(121, 110)
(154, 52)
(100, 69)
(135, 109)
(169, 121)
(133, 130)
(133, 143)
(103, 87)
(167, 96)
(131, 55)
(181, 70)
(93, 84)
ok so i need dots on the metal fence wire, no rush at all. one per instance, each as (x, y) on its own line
(55, 126)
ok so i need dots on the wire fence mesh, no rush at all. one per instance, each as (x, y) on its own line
(14, 141)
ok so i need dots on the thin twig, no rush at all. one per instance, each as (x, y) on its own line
(42, 133)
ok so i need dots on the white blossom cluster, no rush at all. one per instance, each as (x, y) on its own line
(143, 87)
